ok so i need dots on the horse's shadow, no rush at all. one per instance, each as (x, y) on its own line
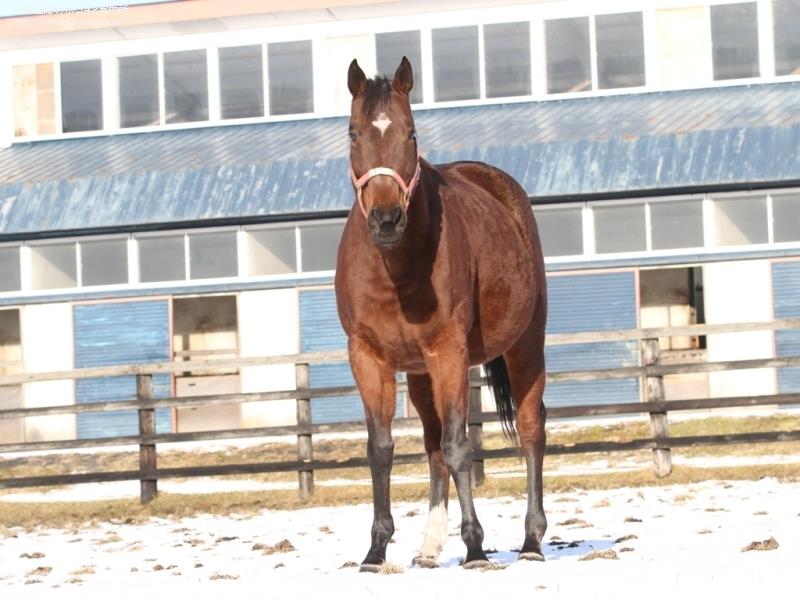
(552, 551)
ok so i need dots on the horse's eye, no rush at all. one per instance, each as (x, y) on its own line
(352, 135)
(412, 134)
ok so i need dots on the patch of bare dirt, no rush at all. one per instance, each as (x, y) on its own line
(770, 544)
(600, 554)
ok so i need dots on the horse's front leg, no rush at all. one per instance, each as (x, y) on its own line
(448, 364)
(376, 383)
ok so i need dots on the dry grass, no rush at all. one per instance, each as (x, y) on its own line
(637, 472)
(65, 514)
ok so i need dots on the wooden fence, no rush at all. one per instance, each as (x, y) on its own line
(650, 372)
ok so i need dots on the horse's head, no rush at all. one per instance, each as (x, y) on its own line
(384, 164)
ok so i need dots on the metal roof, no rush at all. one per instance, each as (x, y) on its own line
(622, 144)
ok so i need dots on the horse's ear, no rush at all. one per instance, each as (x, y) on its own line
(356, 80)
(403, 78)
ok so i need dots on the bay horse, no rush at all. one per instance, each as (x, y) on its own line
(439, 268)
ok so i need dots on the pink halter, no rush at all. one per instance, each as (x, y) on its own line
(408, 190)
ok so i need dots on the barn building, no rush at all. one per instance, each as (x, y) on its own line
(173, 183)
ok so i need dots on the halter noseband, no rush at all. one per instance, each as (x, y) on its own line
(408, 190)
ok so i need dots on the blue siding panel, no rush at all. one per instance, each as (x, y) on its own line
(786, 299)
(320, 330)
(629, 143)
(114, 334)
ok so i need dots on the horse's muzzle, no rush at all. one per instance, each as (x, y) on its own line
(387, 224)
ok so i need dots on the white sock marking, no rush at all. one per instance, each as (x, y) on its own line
(435, 532)
(382, 123)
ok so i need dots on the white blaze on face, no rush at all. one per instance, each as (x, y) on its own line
(382, 123)
(435, 532)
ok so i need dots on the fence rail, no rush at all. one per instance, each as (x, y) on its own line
(650, 373)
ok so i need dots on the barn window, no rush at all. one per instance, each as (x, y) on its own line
(568, 55)
(241, 82)
(9, 269)
(391, 47)
(740, 220)
(271, 251)
(786, 217)
(734, 38)
(676, 224)
(162, 258)
(104, 262)
(81, 96)
(34, 99)
(186, 86)
(619, 228)
(291, 81)
(53, 266)
(620, 50)
(786, 17)
(455, 63)
(320, 244)
(138, 91)
(508, 59)
(212, 255)
(561, 230)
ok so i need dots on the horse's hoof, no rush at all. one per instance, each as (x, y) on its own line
(480, 564)
(425, 562)
(369, 568)
(531, 555)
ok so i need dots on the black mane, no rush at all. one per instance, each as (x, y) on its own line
(377, 93)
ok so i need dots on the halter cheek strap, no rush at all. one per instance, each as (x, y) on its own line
(408, 190)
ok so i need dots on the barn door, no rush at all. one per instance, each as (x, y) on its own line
(592, 302)
(120, 333)
(786, 299)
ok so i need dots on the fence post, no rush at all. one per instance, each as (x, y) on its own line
(305, 451)
(475, 429)
(659, 425)
(147, 427)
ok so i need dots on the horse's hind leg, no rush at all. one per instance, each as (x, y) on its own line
(420, 391)
(525, 362)
(378, 391)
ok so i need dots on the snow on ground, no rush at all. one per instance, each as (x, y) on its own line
(685, 539)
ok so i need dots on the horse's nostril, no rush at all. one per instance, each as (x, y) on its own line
(397, 214)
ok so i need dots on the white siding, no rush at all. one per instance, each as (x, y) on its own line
(268, 326)
(47, 346)
(737, 292)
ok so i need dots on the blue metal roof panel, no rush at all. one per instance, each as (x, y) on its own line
(613, 144)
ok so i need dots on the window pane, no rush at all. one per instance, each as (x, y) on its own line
(390, 48)
(620, 50)
(81, 96)
(619, 228)
(786, 217)
(676, 224)
(212, 255)
(53, 266)
(241, 82)
(320, 245)
(9, 269)
(507, 49)
(186, 86)
(455, 63)
(161, 259)
(291, 82)
(734, 37)
(104, 262)
(271, 251)
(561, 231)
(568, 65)
(740, 221)
(786, 16)
(138, 91)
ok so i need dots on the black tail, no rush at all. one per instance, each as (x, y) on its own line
(497, 377)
